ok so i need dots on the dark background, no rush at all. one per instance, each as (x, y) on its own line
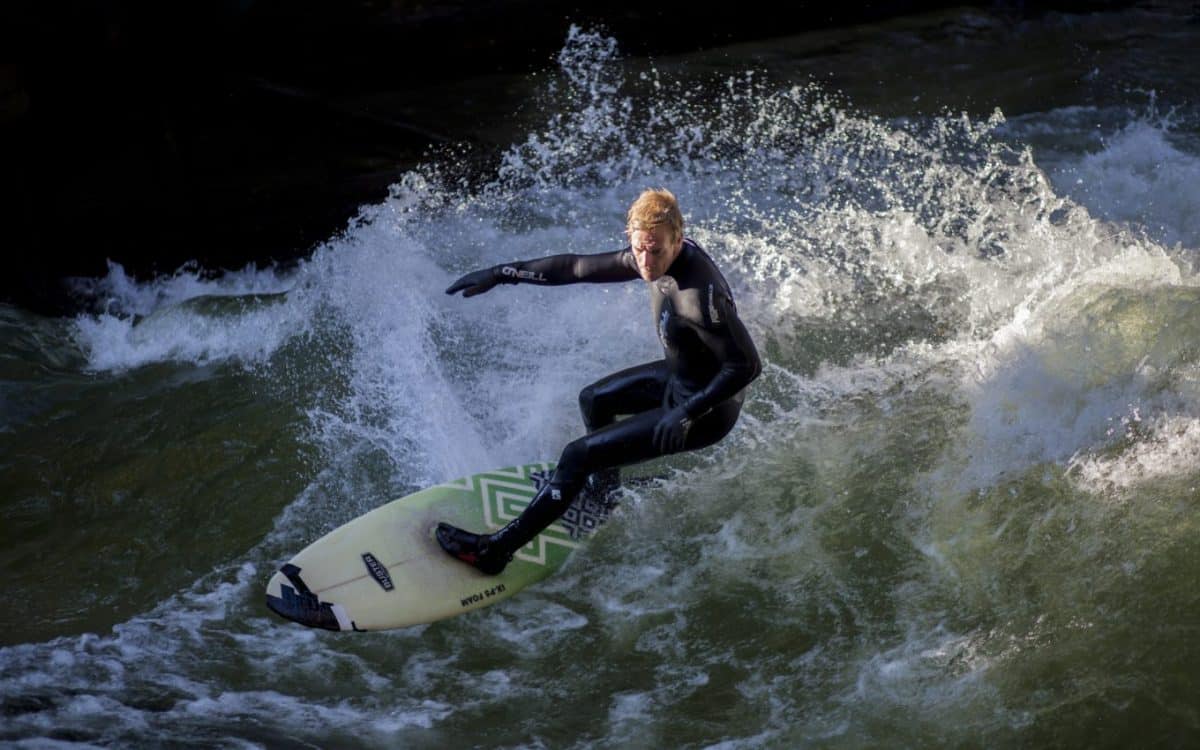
(241, 131)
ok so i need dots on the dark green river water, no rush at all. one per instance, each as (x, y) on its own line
(960, 509)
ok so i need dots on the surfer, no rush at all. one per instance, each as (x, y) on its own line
(690, 399)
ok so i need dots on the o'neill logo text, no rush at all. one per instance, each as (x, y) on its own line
(516, 273)
(378, 572)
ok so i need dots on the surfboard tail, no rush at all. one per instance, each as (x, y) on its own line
(296, 602)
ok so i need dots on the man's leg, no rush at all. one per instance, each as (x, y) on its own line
(621, 443)
(637, 389)
(627, 441)
(630, 391)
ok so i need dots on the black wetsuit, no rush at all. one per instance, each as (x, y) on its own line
(709, 360)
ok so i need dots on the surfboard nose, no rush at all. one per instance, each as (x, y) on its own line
(296, 602)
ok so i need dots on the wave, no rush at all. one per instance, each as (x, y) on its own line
(975, 377)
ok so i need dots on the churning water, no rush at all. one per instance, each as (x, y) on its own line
(960, 508)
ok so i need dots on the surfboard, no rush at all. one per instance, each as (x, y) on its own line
(385, 568)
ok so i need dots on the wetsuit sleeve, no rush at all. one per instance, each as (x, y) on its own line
(726, 336)
(554, 270)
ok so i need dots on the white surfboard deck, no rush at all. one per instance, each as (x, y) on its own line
(385, 568)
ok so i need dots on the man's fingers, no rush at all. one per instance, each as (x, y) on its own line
(476, 282)
(667, 439)
(463, 282)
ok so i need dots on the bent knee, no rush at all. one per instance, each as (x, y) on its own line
(574, 456)
(573, 465)
(587, 401)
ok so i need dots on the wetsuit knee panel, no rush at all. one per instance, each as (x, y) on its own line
(572, 469)
(587, 405)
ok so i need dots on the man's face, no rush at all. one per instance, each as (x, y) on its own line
(655, 250)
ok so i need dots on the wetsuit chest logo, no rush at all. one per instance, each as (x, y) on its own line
(713, 314)
(664, 319)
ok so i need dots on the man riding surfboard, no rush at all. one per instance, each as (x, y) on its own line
(688, 400)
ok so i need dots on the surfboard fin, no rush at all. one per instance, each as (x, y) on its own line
(299, 604)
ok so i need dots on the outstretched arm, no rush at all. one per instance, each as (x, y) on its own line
(550, 271)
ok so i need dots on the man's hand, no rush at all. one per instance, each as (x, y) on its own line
(476, 282)
(670, 433)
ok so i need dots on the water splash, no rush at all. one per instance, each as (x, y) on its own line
(906, 522)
